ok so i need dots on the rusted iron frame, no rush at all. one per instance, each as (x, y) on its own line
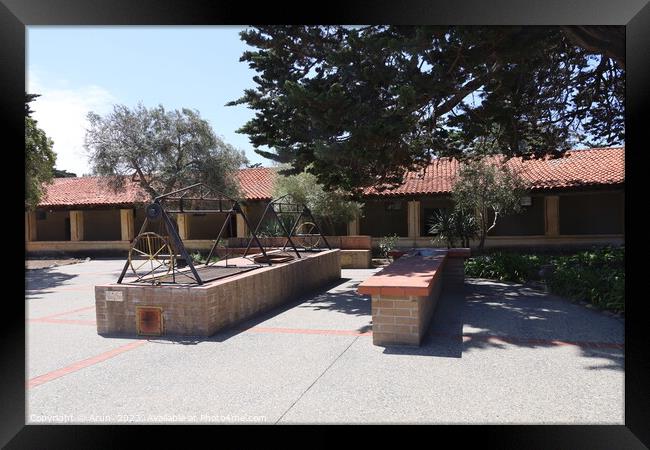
(126, 265)
(177, 245)
(172, 196)
(236, 209)
(313, 220)
(269, 207)
(177, 242)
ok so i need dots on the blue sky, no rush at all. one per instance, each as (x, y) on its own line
(79, 69)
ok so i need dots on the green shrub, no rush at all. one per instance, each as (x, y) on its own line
(199, 258)
(387, 243)
(272, 228)
(505, 266)
(596, 276)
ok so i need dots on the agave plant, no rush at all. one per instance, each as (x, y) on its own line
(451, 225)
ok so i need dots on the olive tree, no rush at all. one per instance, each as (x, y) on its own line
(490, 189)
(165, 149)
(329, 207)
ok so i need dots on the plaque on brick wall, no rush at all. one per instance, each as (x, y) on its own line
(114, 296)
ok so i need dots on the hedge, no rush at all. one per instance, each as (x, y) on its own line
(596, 275)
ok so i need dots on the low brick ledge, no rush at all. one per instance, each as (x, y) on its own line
(409, 275)
(404, 294)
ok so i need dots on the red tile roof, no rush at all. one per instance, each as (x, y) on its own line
(578, 168)
(257, 183)
(90, 191)
(438, 178)
(592, 167)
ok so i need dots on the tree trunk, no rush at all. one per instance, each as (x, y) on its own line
(483, 233)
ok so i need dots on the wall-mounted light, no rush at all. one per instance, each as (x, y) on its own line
(526, 200)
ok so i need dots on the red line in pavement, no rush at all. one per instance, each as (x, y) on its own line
(31, 291)
(37, 381)
(308, 331)
(41, 379)
(466, 337)
(64, 313)
(78, 287)
(66, 321)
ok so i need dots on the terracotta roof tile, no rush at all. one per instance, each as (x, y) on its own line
(592, 167)
(90, 191)
(596, 166)
(257, 183)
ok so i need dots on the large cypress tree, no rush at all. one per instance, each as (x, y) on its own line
(356, 106)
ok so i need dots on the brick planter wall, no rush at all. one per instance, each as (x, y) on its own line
(454, 271)
(204, 310)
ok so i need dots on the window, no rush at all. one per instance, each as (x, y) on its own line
(394, 205)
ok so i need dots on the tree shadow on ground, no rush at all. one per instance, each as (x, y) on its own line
(347, 302)
(489, 314)
(41, 281)
(483, 315)
(253, 321)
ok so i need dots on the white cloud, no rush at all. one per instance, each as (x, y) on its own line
(61, 112)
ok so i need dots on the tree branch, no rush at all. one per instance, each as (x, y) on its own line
(143, 181)
(494, 222)
(467, 89)
(607, 41)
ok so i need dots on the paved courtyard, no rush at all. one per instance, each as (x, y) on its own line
(497, 353)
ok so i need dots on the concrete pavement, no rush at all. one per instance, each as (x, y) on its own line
(496, 353)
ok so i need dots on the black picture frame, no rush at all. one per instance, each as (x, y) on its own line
(15, 15)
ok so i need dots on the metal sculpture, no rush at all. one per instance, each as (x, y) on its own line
(161, 257)
(304, 231)
(158, 254)
(304, 235)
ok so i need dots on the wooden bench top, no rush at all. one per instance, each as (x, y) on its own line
(409, 275)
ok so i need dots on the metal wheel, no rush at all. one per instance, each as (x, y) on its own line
(150, 256)
(305, 235)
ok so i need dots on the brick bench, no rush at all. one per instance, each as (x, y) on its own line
(404, 294)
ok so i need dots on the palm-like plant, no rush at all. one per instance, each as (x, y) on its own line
(452, 225)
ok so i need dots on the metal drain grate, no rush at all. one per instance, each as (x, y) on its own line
(149, 320)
